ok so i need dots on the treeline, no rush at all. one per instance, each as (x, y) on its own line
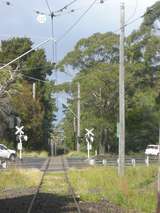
(16, 99)
(97, 60)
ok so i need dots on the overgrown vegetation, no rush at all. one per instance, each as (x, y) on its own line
(136, 191)
(18, 179)
(77, 154)
(55, 183)
(38, 154)
(16, 99)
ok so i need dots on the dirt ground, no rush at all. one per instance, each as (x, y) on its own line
(18, 202)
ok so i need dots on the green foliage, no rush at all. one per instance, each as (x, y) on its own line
(76, 154)
(13, 48)
(37, 66)
(88, 52)
(97, 59)
(31, 112)
(37, 115)
(35, 154)
(15, 180)
(8, 144)
(4, 76)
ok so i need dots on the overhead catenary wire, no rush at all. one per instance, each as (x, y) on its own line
(37, 79)
(39, 12)
(47, 3)
(131, 22)
(77, 21)
(33, 68)
(66, 6)
(134, 12)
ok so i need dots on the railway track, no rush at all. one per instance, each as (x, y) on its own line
(63, 167)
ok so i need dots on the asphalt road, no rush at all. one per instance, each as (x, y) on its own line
(38, 163)
(28, 162)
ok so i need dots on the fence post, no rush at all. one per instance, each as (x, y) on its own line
(118, 161)
(133, 162)
(104, 162)
(147, 161)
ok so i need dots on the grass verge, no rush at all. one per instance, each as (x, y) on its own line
(137, 190)
(15, 179)
(77, 154)
(40, 154)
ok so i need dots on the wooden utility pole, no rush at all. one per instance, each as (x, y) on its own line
(78, 117)
(121, 165)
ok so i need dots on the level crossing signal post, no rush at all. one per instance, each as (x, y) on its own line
(89, 136)
(20, 135)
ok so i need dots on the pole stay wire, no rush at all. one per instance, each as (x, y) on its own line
(21, 56)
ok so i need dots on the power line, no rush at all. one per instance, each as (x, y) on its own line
(46, 1)
(134, 12)
(32, 68)
(36, 79)
(136, 19)
(129, 23)
(133, 21)
(77, 21)
(113, 32)
(66, 6)
(39, 12)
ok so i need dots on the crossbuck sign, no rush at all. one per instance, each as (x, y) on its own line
(89, 139)
(19, 130)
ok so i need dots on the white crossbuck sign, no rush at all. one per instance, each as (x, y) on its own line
(20, 134)
(19, 130)
(89, 139)
(89, 135)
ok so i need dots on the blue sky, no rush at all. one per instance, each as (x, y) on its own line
(19, 19)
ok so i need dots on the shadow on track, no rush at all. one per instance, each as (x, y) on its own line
(45, 203)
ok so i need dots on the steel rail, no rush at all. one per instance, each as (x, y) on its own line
(64, 168)
(38, 188)
(70, 186)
